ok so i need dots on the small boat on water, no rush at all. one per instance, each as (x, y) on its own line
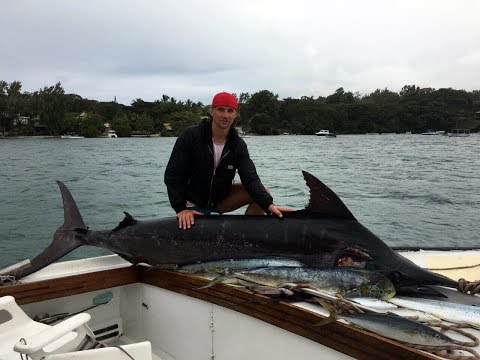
(71, 137)
(165, 315)
(112, 134)
(326, 133)
(459, 133)
(433, 132)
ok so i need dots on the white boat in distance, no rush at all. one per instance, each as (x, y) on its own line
(431, 132)
(71, 137)
(112, 134)
(168, 316)
(326, 133)
(459, 133)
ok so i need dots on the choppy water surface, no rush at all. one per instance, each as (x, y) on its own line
(407, 189)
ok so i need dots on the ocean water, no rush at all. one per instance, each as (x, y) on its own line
(410, 190)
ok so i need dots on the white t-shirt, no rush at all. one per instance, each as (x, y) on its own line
(217, 155)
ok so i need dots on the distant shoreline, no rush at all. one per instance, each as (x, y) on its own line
(59, 136)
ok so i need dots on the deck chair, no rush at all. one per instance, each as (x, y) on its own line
(20, 334)
(137, 351)
(58, 342)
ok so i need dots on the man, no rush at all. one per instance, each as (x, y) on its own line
(199, 175)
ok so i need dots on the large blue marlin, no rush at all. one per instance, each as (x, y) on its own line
(324, 234)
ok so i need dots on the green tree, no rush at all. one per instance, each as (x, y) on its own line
(144, 124)
(4, 119)
(122, 127)
(341, 97)
(91, 125)
(50, 104)
(14, 98)
(180, 121)
(72, 123)
(263, 124)
(262, 105)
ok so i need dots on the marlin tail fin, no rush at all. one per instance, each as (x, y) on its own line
(67, 238)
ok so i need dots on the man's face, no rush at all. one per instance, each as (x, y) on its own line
(223, 116)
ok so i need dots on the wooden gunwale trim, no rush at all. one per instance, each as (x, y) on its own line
(346, 339)
(26, 293)
(349, 340)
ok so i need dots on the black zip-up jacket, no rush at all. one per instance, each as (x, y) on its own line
(190, 173)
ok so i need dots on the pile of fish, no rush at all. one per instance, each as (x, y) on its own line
(384, 313)
(279, 273)
(321, 248)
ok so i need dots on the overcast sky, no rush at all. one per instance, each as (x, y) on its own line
(193, 49)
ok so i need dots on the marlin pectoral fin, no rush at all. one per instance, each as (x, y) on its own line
(418, 291)
(130, 259)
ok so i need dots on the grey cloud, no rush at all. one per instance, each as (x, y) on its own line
(190, 49)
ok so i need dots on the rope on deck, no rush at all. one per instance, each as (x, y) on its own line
(454, 268)
(439, 351)
(457, 344)
(8, 279)
(469, 287)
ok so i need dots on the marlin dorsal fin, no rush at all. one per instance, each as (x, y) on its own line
(127, 221)
(323, 200)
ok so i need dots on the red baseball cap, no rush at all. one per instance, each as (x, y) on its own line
(225, 99)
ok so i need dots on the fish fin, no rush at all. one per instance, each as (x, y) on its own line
(130, 259)
(350, 292)
(278, 292)
(67, 238)
(418, 291)
(213, 282)
(323, 201)
(71, 214)
(410, 332)
(333, 315)
(127, 221)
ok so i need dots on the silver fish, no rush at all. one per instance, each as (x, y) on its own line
(229, 265)
(393, 327)
(457, 313)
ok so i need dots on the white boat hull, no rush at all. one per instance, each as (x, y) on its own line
(223, 322)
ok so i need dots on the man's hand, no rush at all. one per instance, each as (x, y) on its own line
(278, 210)
(186, 218)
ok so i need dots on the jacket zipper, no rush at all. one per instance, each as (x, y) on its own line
(214, 170)
(211, 181)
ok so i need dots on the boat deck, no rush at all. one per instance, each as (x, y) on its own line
(224, 321)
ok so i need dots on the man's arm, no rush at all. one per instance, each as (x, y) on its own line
(177, 173)
(251, 181)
